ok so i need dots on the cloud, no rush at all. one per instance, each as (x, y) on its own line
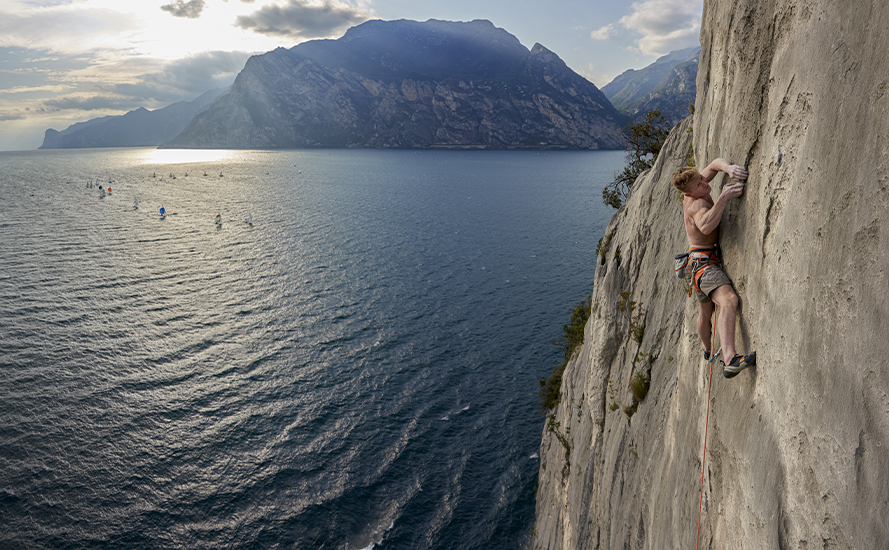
(604, 33)
(55, 88)
(88, 103)
(665, 25)
(157, 84)
(186, 78)
(138, 82)
(68, 28)
(11, 115)
(197, 72)
(300, 19)
(191, 9)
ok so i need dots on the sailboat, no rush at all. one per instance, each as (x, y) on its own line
(135, 204)
(163, 212)
(250, 219)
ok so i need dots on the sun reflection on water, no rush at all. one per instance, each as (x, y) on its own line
(181, 156)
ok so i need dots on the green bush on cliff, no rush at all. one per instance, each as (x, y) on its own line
(603, 246)
(639, 384)
(572, 337)
(645, 139)
(571, 340)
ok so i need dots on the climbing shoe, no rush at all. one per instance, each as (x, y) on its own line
(738, 363)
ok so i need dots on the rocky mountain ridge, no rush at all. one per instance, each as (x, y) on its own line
(137, 128)
(796, 449)
(409, 84)
(668, 85)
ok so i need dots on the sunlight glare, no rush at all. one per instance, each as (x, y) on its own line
(182, 156)
(163, 36)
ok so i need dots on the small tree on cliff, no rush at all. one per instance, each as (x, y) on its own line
(570, 341)
(646, 139)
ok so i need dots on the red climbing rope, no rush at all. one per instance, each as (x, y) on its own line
(707, 419)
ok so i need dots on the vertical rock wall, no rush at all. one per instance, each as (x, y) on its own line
(798, 448)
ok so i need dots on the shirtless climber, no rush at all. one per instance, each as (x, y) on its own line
(709, 282)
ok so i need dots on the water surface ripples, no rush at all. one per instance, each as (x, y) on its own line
(357, 367)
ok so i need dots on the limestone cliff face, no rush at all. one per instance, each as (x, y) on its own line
(798, 448)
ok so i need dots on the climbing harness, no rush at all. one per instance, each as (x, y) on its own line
(707, 419)
(699, 261)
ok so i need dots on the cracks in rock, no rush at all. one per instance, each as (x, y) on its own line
(768, 226)
(748, 158)
(783, 528)
(859, 456)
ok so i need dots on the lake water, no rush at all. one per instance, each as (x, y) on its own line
(357, 368)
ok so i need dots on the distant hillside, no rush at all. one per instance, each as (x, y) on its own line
(667, 84)
(409, 84)
(137, 128)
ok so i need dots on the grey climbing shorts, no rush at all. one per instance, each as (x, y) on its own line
(713, 278)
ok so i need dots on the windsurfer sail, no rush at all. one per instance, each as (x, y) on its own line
(218, 219)
(163, 212)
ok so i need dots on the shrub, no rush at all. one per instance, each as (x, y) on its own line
(553, 428)
(571, 340)
(630, 410)
(646, 138)
(634, 314)
(639, 384)
(572, 337)
(550, 389)
(602, 247)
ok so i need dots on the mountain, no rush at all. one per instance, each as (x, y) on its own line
(797, 448)
(409, 84)
(137, 128)
(667, 84)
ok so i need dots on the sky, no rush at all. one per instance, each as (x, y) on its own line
(68, 61)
